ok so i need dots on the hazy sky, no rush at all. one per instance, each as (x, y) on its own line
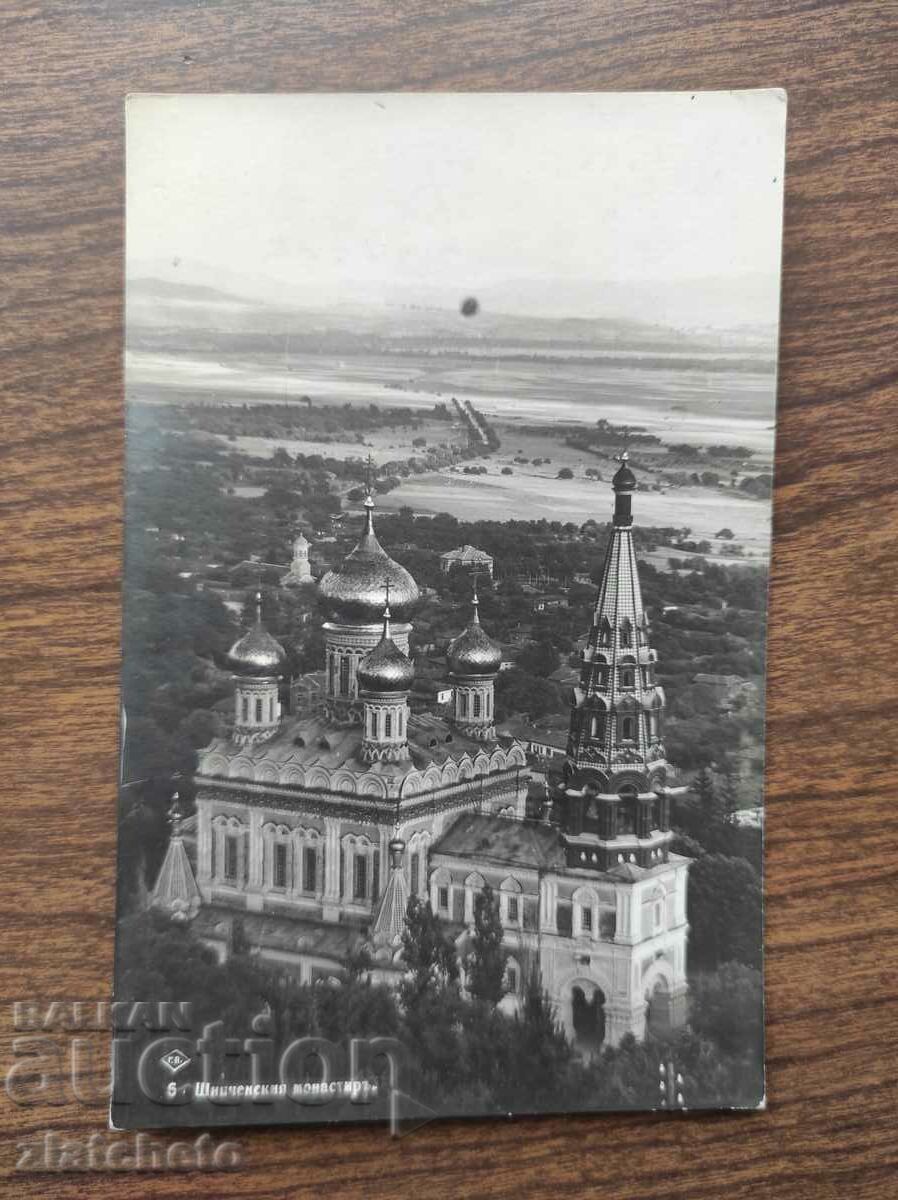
(352, 197)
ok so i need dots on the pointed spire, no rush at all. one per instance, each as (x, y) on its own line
(475, 601)
(176, 890)
(175, 816)
(258, 599)
(390, 919)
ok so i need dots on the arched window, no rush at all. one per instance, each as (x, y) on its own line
(360, 877)
(626, 634)
(279, 865)
(245, 709)
(258, 712)
(372, 723)
(477, 704)
(626, 810)
(344, 676)
(605, 632)
(597, 726)
(331, 672)
(230, 857)
(463, 698)
(627, 678)
(388, 725)
(309, 863)
(628, 729)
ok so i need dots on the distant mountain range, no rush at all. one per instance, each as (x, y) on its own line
(190, 315)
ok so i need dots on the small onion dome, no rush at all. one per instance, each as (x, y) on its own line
(624, 480)
(472, 652)
(386, 668)
(354, 592)
(257, 652)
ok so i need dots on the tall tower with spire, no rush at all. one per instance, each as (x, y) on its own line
(615, 803)
(353, 595)
(474, 659)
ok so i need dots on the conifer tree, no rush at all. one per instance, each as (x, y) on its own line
(427, 953)
(485, 964)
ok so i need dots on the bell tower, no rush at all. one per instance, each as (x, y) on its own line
(616, 799)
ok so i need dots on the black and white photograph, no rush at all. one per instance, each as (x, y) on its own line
(450, 426)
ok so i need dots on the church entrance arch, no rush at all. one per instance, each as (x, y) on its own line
(587, 1008)
(658, 1021)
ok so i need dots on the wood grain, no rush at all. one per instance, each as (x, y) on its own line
(832, 849)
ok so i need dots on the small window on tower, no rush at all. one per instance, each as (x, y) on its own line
(476, 704)
(344, 676)
(626, 634)
(628, 729)
(245, 709)
(627, 679)
(605, 632)
(388, 725)
(258, 712)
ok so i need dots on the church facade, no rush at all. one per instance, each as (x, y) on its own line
(311, 832)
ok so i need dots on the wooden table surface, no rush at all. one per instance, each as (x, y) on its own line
(832, 845)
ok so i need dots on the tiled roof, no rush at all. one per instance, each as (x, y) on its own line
(467, 553)
(314, 742)
(317, 938)
(501, 839)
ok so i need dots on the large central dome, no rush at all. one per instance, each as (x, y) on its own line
(356, 590)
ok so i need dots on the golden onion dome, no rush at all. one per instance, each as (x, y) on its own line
(473, 652)
(354, 592)
(257, 652)
(386, 668)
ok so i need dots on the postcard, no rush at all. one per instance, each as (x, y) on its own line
(449, 461)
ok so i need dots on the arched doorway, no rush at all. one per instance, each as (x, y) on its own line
(657, 1013)
(588, 1015)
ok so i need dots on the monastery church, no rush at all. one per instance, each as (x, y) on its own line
(312, 831)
